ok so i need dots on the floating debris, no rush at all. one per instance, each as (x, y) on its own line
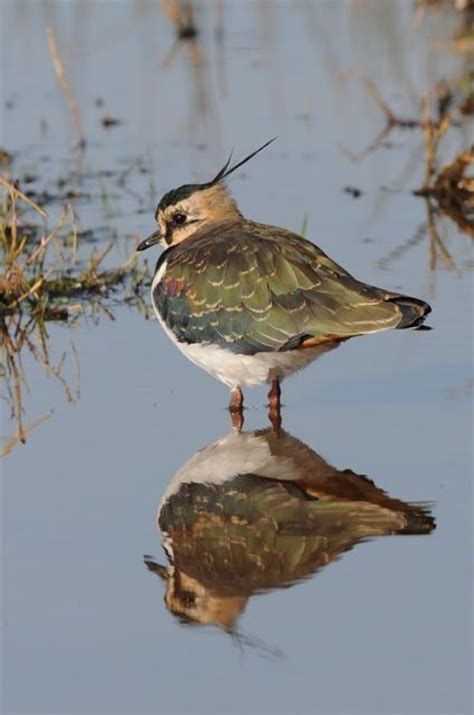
(71, 101)
(181, 14)
(353, 191)
(107, 121)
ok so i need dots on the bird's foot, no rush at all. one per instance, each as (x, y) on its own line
(275, 393)
(237, 419)
(274, 414)
(236, 408)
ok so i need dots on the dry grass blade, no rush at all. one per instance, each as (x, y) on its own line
(393, 120)
(16, 193)
(433, 133)
(181, 14)
(21, 436)
(437, 243)
(31, 290)
(39, 252)
(42, 357)
(18, 336)
(450, 187)
(172, 10)
(96, 260)
(372, 146)
(372, 91)
(66, 88)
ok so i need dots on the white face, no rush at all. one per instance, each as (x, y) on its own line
(185, 218)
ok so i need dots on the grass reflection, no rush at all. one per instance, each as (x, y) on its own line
(46, 276)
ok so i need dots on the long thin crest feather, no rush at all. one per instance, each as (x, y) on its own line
(175, 195)
(222, 171)
(225, 171)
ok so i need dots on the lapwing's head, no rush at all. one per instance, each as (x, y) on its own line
(190, 208)
(192, 602)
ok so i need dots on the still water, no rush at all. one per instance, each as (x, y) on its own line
(327, 570)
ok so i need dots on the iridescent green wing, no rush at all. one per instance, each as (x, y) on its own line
(252, 289)
(252, 533)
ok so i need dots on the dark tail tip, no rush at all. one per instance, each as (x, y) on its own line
(413, 310)
(419, 520)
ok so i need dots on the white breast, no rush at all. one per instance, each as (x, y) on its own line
(237, 370)
(235, 453)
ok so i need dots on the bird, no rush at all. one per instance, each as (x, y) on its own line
(256, 511)
(252, 303)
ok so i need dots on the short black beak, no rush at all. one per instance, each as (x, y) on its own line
(161, 571)
(150, 241)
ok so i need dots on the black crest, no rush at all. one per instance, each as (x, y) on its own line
(183, 192)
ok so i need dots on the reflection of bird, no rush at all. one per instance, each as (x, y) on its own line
(252, 303)
(257, 511)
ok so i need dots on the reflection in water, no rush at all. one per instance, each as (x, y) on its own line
(26, 337)
(46, 277)
(257, 511)
(187, 36)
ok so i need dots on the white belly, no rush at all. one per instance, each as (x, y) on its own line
(240, 370)
(236, 370)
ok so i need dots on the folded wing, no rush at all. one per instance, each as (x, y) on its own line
(251, 291)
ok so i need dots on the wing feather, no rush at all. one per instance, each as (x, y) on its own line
(254, 288)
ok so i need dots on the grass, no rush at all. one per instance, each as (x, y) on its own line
(451, 186)
(41, 272)
(45, 277)
(448, 189)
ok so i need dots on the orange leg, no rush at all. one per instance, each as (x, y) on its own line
(236, 408)
(274, 413)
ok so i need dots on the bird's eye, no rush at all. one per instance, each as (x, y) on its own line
(188, 599)
(179, 218)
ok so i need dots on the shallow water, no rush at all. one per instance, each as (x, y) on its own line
(383, 627)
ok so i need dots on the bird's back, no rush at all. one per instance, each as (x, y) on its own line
(256, 288)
